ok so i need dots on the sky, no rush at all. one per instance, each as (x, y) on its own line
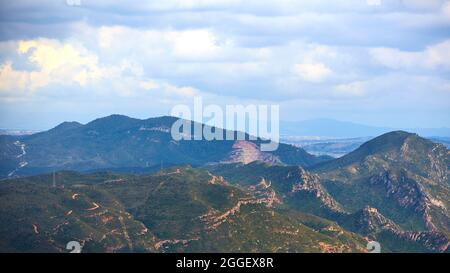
(375, 62)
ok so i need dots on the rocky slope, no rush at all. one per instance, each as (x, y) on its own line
(404, 176)
(293, 185)
(394, 188)
(371, 223)
(177, 210)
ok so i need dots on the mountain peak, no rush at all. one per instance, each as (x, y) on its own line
(68, 125)
(391, 139)
(112, 123)
(112, 118)
(62, 128)
(387, 149)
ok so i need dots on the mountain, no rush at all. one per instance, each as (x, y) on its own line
(405, 177)
(291, 186)
(371, 223)
(344, 129)
(394, 189)
(176, 210)
(330, 128)
(232, 197)
(121, 143)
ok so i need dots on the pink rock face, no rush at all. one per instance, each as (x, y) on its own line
(247, 152)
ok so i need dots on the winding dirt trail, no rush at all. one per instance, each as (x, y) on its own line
(35, 228)
(95, 206)
(125, 233)
(22, 163)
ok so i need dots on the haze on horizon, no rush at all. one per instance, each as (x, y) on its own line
(376, 62)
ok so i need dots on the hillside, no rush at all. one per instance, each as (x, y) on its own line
(403, 175)
(398, 180)
(122, 143)
(177, 210)
(393, 189)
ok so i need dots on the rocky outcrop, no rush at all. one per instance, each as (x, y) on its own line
(435, 241)
(369, 221)
(214, 218)
(438, 167)
(310, 183)
(247, 152)
(407, 193)
(265, 193)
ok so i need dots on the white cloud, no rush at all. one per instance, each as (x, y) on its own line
(446, 9)
(13, 80)
(65, 64)
(423, 4)
(432, 57)
(194, 44)
(149, 85)
(438, 55)
(353, 89)
(149, 52)
(184, 91)
(395, 58)
(168, 90)
(312, 72)
(55, 62)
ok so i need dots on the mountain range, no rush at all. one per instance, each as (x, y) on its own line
(343, 129)
(111, 194)
(394, 189)
(121, 143)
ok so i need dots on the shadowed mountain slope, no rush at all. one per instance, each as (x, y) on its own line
(120, 142)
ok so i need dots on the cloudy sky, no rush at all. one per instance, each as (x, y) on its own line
(377, 62)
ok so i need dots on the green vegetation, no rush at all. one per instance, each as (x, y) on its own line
(120, 143)
(393, 189)
(180, 209)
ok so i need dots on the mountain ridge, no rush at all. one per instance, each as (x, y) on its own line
(393, 189)
(121, 142)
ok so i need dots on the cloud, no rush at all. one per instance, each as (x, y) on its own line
(354, 89)
(67, 65)
(446, 9)
(149, 85)
(11, 79)
(431, 57)
(189, 45)
(53, 62)
(427, 5)
(312, 72)
(193, 43)
(168, 90)
(51, 55)
(155, 53)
